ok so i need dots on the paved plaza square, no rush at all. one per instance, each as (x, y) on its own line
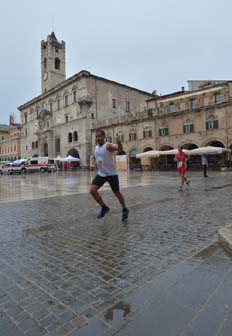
(64, 272)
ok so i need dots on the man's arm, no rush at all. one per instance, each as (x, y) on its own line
(111, 147)
(114, 147)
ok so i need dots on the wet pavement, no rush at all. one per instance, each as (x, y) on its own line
(63, 272)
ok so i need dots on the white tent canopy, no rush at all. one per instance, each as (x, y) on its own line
(70, 158)
(148, 154)
(209, 150)
(172, 151)
(156, 154)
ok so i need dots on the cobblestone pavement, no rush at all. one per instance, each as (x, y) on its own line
(61, 268)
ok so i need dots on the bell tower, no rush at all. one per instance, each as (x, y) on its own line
(52, 62)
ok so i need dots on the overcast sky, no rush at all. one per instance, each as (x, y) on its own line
(148, 44)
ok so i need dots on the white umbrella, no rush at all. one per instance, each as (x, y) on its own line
(148, 154)
(209, 150)
(70, 158)
(172, 151)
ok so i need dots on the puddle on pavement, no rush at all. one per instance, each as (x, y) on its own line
(39, 229)
(152, 202)
(117, 312)
(219, 187)
(208, 252)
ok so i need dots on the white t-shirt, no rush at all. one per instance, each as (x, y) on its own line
(105, 161)
(204, 161)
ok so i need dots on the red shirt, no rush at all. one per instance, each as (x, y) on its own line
(181, 158)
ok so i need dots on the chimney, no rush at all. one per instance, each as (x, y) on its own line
(182, 88)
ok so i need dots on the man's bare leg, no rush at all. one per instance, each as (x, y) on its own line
(94, 192)
(104, 208)
(120, 198)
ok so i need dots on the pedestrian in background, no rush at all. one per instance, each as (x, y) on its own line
(181, 159)
(204, 162)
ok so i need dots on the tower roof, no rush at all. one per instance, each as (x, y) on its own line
(53, 36)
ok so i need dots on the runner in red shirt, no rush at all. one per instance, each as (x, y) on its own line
(181, 159)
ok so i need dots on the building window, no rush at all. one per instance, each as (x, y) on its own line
(132, 136)
(193, 103)
(45, 63)
(206, 101)
(26, 148)
(75, 136)
(47, 124)
(25, 118)
(66, 101)
(163, 131)
(127, 107)
(25, 132)
(36, 144)
(70, 137)
(74, 96)
(57, 145)
(182, 106)
(189, 128)
(50, 107)
(114, 103)
(147, 134)
(66, 119)
(109, 139)
(171, 107)
(57, 63)
(211, 124)
(120, 137)
(58, 104)
(33, 145)
(217, 97)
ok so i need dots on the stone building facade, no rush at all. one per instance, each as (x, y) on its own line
(59, 121)
(10, 143)
(198, 117)
(4, 131)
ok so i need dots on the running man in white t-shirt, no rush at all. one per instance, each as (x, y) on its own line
(106, 173)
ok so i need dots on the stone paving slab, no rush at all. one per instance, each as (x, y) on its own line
(225, 237)
(196, 310)
(61, 268)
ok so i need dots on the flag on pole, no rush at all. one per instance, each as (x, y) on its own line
(12, 119)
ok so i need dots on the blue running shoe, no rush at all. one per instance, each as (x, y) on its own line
(103, 211)
(125, 213)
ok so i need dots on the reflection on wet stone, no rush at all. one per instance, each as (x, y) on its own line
(118, 311)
